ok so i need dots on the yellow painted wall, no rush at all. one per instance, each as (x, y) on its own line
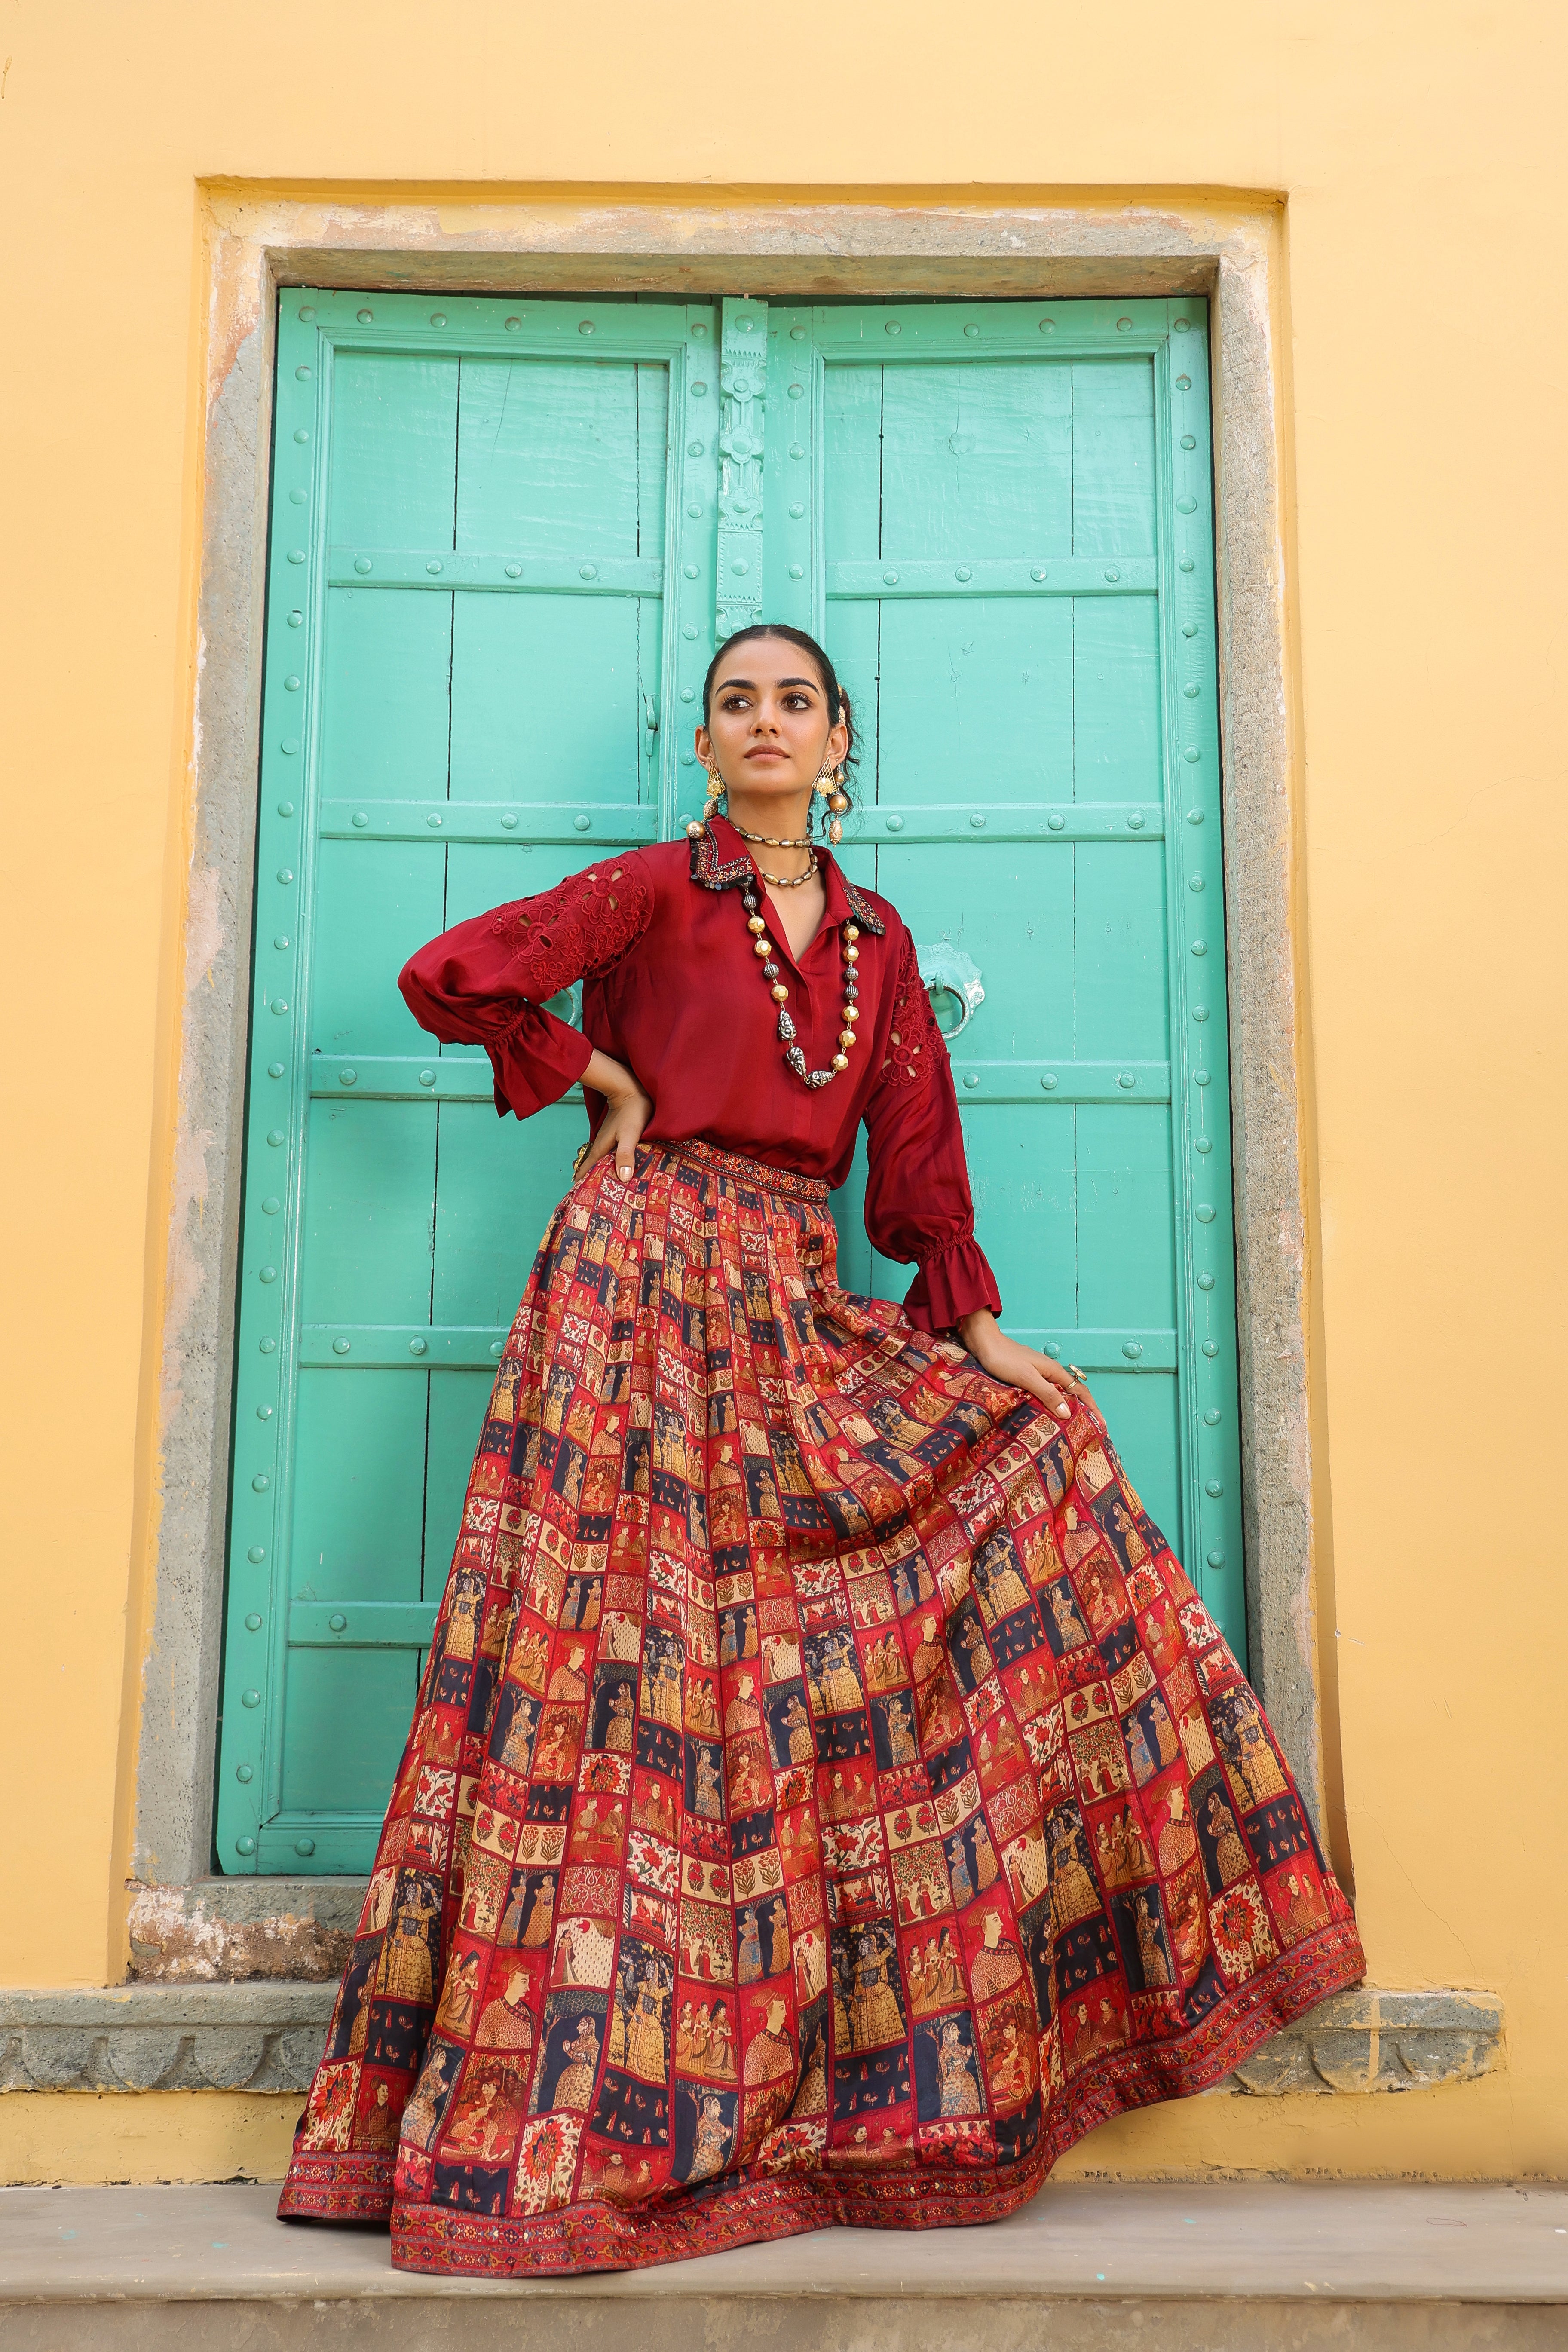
(1415, 147)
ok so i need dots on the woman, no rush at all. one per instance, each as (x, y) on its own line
(955, 2073)
(694, 1430)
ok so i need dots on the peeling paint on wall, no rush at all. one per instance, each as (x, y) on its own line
(239, 1931)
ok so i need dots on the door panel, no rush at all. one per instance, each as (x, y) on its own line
(486, 569)
(546, 690)
(385, 711)
(1115, 699)
(1112, 458)
(366, 1225)
(1012, 912)
(491, 1206)
(357, 1486)
(374, 902)
(552, 458)
(394, 440)
(974, 700)
(977, 460)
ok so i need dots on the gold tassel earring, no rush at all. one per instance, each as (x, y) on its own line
(827, 788)
(717, 791)
(839, 800)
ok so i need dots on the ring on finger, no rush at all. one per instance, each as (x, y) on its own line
(1076, 1374)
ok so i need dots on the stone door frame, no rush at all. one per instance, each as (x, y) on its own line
(903, 244)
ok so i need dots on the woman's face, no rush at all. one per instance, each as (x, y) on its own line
(768, 730)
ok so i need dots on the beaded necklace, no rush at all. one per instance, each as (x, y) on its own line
(781, 841)
(762, 948)
(773, 840)
(791, 881)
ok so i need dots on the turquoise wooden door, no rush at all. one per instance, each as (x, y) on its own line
(998, 517)
(491, 569)
(504, 537)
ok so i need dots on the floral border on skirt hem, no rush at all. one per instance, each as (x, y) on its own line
(738, 2210)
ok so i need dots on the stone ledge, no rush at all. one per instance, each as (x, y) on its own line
(1371, 2040)
(268, 2035)
(197, 2037)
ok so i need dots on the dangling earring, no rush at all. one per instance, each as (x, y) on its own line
(824, 784)
(839, 800)
(717, 790)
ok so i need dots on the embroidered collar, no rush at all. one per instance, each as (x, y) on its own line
(706, 868)
(715, 873)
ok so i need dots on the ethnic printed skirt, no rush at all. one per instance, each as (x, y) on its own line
(826, 1799)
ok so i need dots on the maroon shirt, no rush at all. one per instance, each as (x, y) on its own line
(672, 989)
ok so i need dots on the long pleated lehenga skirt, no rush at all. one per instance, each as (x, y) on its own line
(827, 1798)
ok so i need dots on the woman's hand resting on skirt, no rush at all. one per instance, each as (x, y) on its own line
(628, 1112)
(1020, 1367)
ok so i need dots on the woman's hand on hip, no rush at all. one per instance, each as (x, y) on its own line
(627, 1112)
(1022, 1368)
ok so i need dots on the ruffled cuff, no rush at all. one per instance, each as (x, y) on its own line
(535, 1059)
(953, 1284)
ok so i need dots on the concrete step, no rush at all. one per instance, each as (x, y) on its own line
(1223, 2267)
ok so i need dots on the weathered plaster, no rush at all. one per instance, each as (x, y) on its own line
(257, 241)
(233, 1930)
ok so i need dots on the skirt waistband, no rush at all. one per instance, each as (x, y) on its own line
(787, 1181)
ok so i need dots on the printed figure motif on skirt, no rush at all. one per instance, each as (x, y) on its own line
(826, 1799)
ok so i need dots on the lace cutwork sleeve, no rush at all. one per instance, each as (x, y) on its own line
(484, 982)
(579, 930)
(917, 1045)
